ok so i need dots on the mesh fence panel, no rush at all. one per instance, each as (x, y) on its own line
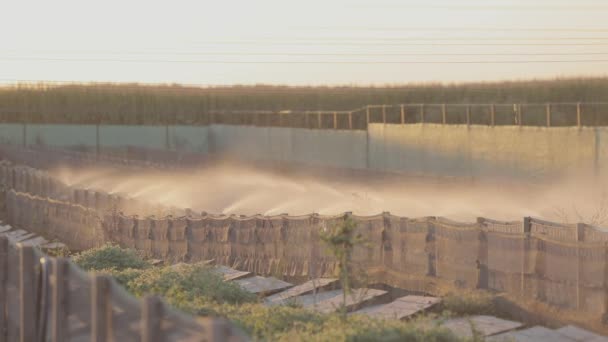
(457, 252)
(12, 294)
(506, 245)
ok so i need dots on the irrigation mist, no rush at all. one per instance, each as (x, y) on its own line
(236, 189)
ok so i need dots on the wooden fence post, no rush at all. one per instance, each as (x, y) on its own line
(27, 293)
(422, 113)
(578, 114)
(431, 249)
(384, 114)
(101, 308)
(548, 113)
(3, 284)
(580, 238)
(482, 257)
(526, 245)
(443, 114)
(402, 115)
(319, 122)
(335, 120)
(59, 303)
(151, 319)
(492, 115)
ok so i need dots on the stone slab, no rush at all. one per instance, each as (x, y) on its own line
(36, 241)
(319, 284)
(4, 229)
(485, 325)
(534, 334)
(580, 335)
(356, 298)
(400, 308)
(230, 273)
(24, 237)
(263, 285)
(16, 233)
(311, 300)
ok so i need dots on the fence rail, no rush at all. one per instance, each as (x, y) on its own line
(551, 114)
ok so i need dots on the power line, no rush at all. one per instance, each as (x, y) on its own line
(302, 62)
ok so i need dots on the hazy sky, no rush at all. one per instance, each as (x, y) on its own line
(302, 42)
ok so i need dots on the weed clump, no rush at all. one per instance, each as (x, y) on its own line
(110, 256)
(469, 303)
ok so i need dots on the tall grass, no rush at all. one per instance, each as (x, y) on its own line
(139, 104)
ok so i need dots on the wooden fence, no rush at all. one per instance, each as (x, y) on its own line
(50, 299)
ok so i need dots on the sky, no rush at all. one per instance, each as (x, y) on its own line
(313, 42)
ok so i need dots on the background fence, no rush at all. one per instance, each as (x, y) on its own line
(552, 114)
(565, 266)
(51, 299)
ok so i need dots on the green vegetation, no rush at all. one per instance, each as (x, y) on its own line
(197, 289)
(160, 104)
(469, 303)
(110, 256)
(341, 241)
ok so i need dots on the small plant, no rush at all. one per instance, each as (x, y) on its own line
(469, 303)
(110, 256)
(341, 241)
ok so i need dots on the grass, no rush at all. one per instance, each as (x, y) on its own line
(198, 290)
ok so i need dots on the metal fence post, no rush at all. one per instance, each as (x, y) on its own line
(402, 115)
(431, 249)
(492, 115)
(350, 120)
(151, 319)
(3, 284)
(443, 114)
(101, 308)
(548, 113)
(578, 114)
(366, 117)
(27, 293)
(319, 122)
(468, 115)
(580, 238)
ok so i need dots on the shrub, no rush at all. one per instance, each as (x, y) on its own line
(188, 282)
(110, 256)
(469, 303)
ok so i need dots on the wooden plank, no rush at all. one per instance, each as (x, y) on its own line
(357, 297)
(27, 293)
(262, 285)
(151, 319)
(310, 286)
(400, 308)
(59, 303)
(101, 310)
(485, 325)
(3, 285)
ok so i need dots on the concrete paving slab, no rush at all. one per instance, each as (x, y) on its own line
(23, 237)
(5, 229)
(36, 241)
(16, 233)
(263, 285)
(534, 334)
(357, 297)
(320, 285)
(580, 335)
(230, 273)
(400, 308)
(485, 325)
(311, 300)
